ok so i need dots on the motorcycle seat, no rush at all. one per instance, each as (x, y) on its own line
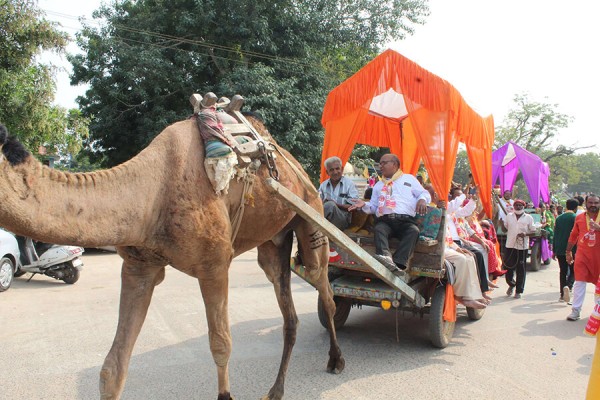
(41, 247)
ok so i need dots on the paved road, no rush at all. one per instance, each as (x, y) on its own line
(54, 338)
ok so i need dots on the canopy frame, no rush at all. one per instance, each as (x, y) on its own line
(437, 119)
(511, 158)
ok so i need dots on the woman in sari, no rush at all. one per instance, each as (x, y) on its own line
(494, 263)
(548, 220)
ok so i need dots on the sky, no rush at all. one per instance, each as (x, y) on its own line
(490, 50)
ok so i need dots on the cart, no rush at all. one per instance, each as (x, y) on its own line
(394, 103)
(357, 279)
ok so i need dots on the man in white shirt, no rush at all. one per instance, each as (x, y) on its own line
(336, 193)
(518, 228)
(395, 201)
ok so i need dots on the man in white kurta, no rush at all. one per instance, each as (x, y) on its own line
(395, 201)
(519, 226)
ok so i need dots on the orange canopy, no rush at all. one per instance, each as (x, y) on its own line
(393, 102)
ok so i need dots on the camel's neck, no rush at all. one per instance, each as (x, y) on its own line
(109, 207)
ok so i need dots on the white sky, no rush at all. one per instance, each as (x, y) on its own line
(489, 50)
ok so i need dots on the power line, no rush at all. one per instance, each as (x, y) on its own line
(201, 43)
(171, 47)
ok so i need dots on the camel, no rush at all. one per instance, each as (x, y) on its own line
(159, 209)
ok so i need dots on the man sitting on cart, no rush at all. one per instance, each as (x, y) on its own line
(395, 201)
(336, 193)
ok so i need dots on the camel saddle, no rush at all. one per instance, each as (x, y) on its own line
(235, 124)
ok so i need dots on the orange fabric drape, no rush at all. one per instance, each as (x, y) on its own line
(409, 154)
(449, 313)
(479, 150)
(437, 118)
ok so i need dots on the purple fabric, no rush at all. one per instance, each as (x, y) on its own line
(535, 172)
(546, 253)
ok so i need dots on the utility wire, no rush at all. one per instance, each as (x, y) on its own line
(201, 43)
(172, 47)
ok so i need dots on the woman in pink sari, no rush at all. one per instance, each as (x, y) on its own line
(494, 261)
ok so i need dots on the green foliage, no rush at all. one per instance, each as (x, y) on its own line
(462, 168)
(532, 125)
(582, 175)
(23, 32)
(364, 156)
(280, 102)
(149, 56)
(27, 87)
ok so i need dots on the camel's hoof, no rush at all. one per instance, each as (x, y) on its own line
(336, 365)
(271, 397)
(274, 394)
(225, 396)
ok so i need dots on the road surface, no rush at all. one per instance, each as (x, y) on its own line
(54, 338)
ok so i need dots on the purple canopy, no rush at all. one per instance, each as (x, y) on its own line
(506, 162)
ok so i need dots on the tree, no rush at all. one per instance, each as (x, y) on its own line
(462, 168)
(533, 126)
(586, 167)
(148, 57)
(27, 87)
(563, 171)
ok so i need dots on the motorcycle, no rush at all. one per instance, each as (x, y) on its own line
(56, 261)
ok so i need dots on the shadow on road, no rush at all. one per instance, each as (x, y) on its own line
(368, 340)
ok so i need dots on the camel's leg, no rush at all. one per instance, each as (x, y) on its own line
(215, 286)
(315, 257)
(274, 259)
(137, 286)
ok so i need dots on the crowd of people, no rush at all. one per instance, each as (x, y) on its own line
(477, 251)
(481, 248)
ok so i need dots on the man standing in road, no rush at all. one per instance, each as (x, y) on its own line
(586, 236)
(518, 228)
(336, 193)
(562, 230)
(395, 201)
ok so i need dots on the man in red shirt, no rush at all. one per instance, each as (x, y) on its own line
(586, 235)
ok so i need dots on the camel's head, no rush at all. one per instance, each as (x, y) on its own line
(12, 150)
(13, 180)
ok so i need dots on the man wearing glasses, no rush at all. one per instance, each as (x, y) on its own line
(395, 201)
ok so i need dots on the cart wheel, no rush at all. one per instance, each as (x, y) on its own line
(342, 310)
(535, 260)
(440, 331)
(475, 314)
